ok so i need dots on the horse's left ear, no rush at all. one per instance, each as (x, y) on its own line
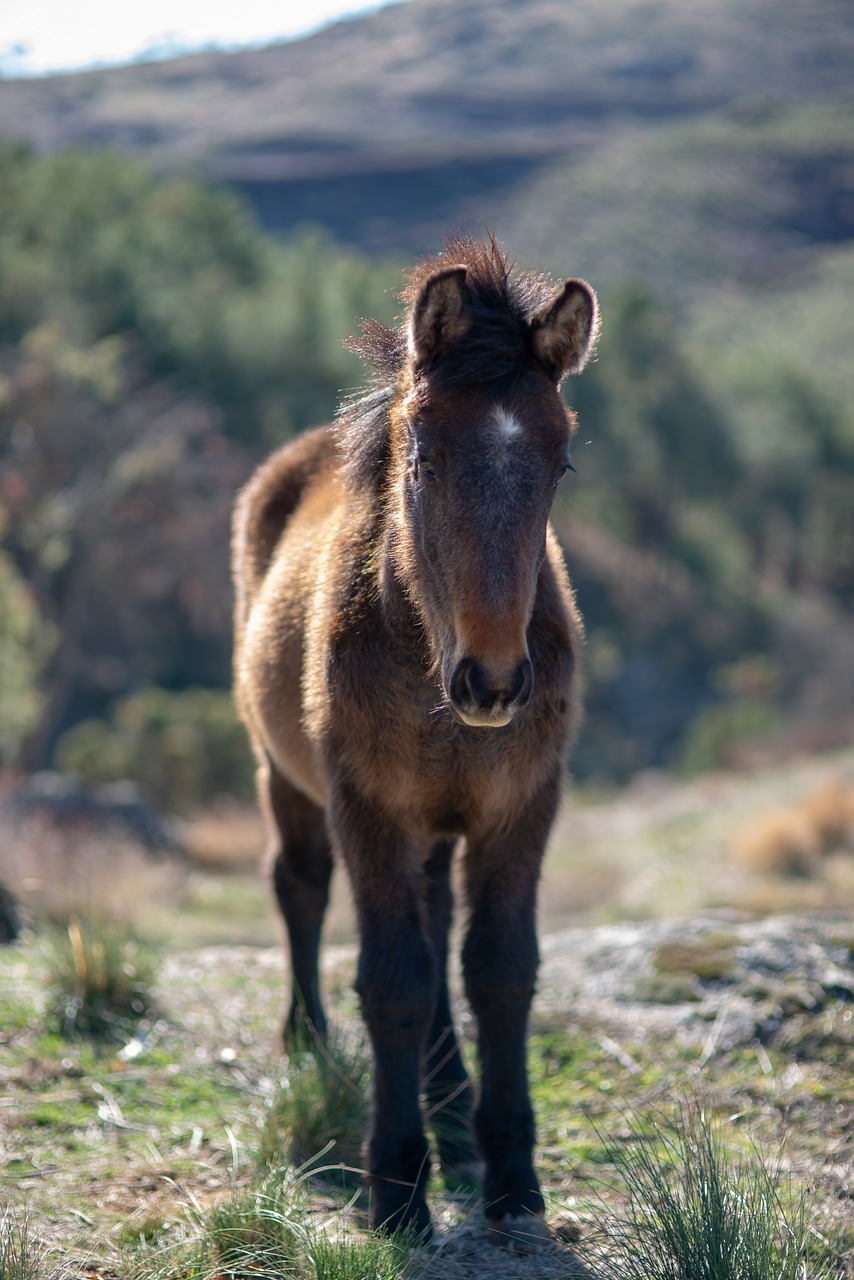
(564, 332)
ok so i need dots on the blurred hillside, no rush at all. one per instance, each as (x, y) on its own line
(662, 140)
(697, 164)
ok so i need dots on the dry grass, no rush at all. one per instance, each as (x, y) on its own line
(797, 840)
(227, 837)
(58, 872)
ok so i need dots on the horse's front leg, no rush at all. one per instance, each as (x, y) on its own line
(396, 983)
(447, 1091)
(500, 960)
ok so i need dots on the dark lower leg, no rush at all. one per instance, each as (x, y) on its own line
(447, 1092)
(500, 960)
(396, 985)
(302, 866)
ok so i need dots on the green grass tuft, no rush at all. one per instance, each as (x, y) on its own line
(100, 977)
(696, 1212)
(256, 1233)
(350, 1257)
(21, 1255)
(320, 1113)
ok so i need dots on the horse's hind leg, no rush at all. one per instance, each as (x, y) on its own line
(301, 866)
(447, 1092)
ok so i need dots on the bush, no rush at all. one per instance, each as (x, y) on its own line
(184, 748)
(23, 647)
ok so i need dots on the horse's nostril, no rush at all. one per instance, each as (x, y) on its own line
(467, 685)
(471, 689)
(523, 684)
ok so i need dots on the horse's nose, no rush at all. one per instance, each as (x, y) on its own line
(474, 691)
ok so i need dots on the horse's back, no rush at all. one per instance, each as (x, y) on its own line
(266, 505)
(281, 518)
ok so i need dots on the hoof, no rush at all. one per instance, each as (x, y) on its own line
(524, 1232)
(413, 1216)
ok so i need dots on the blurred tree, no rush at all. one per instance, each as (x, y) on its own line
(184, 748)
(153, 344)
(24, 647)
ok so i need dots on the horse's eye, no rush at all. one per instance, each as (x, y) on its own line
(424, 467)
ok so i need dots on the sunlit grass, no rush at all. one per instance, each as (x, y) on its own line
(269, 1231)
(320, 1113)
(21, 1254)
(695, 1211)
(100, 977)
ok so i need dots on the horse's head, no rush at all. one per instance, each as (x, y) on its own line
(485, 437)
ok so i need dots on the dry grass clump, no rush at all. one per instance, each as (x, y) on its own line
(57, 872)
(796, 840)
(227, 837)
(21, 1254)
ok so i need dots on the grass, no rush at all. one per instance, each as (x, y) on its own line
(21, 1254)
(268, 1230)
(693, 1211)
(318, 1117)
(347, 1257)
(195, 1151)
(100, 978)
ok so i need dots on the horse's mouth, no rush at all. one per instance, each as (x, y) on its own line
(499, 718)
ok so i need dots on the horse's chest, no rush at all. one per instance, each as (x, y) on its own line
(444, 781)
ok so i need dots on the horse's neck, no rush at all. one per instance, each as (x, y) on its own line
(396, 585)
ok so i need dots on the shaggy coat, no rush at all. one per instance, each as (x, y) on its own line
(406, 658)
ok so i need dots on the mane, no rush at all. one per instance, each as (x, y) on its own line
(502, 301)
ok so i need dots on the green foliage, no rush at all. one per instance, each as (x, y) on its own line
(92, 241)
(184, 748)
(721, 728)
(154, 343)
(100, 977)
(23, 650)
(696, 1212)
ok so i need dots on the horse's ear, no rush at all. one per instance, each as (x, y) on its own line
(564, 332)
(439, 314)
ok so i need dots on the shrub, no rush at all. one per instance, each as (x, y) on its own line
(184, 748)
(23, 648)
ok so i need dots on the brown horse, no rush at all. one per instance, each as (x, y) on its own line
(406, 657)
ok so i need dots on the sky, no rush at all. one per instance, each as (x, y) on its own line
(42, 36)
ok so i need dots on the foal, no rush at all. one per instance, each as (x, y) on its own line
(406, 652)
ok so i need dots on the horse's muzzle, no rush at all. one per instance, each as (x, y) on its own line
(484, 700)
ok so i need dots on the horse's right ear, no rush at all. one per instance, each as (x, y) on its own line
(439, 314)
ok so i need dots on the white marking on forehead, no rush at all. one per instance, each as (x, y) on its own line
(509, 427)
